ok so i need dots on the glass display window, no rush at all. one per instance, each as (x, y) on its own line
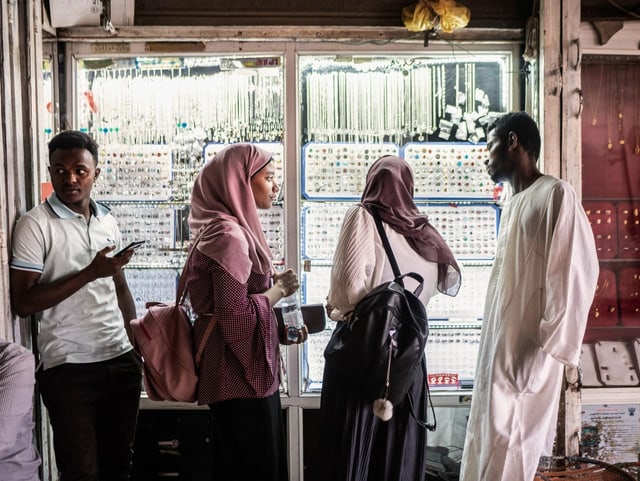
(157, 119)
(611, 199)
(326, 110)
(432, 110)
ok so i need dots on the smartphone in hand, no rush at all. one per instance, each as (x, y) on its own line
(133, 245)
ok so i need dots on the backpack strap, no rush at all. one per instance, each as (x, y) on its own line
(182, 283)
(424, 423)
(392, 258)
(182, 292)
(212, 323)
(385, 243)
(396, 271)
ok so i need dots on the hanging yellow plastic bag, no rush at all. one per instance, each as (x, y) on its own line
(425, 15)
(419, 17)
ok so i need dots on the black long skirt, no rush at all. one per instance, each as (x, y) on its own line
(249, 440)
(359, 446)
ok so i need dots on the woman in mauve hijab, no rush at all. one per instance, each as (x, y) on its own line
(231, 279)
(358, 445)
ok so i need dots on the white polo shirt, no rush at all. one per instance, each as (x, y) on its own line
(55, 241)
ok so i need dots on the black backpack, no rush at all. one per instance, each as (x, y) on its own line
(382, 344)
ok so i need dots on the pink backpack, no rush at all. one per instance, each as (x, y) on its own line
(164, 338)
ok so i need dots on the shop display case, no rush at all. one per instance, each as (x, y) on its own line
(610, 360)
(326, 117)
(611, 144)
(157, 120)
(434, 115)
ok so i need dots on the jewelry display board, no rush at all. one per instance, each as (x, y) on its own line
(629, 228)
(178, 100)
(468, 305)
(603, 217)
(611, 199)
(604, 309)
(134, 172)
(321, 224)
(470, 229)
(434, 113)
(452, 355)
(276, 148)
(401, 99)
(157, 285)
(616, 363)
(273, 228)
(159, 119)
(589, 366)
(159, 226)
(339, 170)
(629, 286)
(610, 363)
(449, 170)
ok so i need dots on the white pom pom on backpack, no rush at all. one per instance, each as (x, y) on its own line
(383, 409)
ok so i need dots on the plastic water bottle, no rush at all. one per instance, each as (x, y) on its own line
(292, 316)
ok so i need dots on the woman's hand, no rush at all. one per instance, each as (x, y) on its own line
(328, 308)
(303, 334)
(287, 281)
(284, 284)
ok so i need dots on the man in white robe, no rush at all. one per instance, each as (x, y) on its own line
(540, 290)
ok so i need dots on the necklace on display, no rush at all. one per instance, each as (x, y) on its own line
(609, 114)
(602, 292)
(636, 106)
(620, 107)
(594, 116)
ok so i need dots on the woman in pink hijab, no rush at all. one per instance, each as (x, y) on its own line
(231, 279)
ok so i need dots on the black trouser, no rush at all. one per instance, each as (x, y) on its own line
(93, 410)
(249, 441)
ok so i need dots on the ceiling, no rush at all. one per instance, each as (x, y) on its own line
(492, 14)
(610, 10)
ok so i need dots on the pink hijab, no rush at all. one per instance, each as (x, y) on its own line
(222, 194)
(389, 189)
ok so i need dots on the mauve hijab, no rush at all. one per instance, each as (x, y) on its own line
(222, 196)
(389, 190)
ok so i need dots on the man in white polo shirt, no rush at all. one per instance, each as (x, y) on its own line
(62, 269)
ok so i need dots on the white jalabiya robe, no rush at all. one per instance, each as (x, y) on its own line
(540, 290)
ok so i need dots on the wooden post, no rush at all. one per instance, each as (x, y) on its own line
(562, 157)
(551, 85)
(571, 170)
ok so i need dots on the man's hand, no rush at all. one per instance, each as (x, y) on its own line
(104, 265)
(29, 296)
